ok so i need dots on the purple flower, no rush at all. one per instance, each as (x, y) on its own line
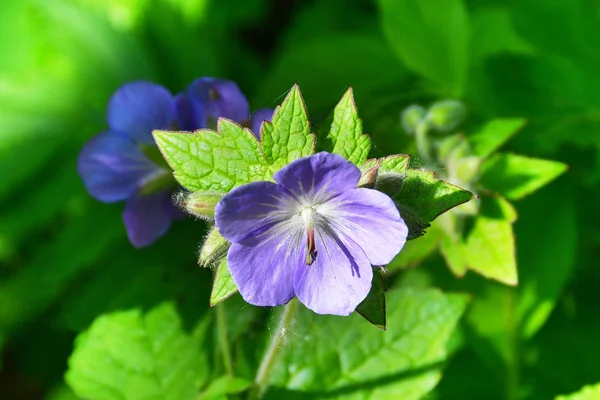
(313, 235)
(123, 163)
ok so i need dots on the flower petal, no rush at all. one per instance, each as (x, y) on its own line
(338, 280)
(370, 218)
(139, 107)
(264, 274)
(248, 209)
(258, 117)
(113, 167)
(320, 176)
(211, 98)
(147, 217)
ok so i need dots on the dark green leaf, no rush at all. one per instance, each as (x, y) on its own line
(373, 307)
(431, 38)
(423, 197)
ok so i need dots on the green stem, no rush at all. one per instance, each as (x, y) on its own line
(423, 145)
(261, 381)
(223, 339)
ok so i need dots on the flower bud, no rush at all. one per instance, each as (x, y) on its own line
(412, 117)
(214, 248)
(202, 204)
(446, 115)
(369, 174)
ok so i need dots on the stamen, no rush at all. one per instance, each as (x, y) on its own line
(311, 250)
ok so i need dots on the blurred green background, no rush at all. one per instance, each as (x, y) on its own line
(65, 258)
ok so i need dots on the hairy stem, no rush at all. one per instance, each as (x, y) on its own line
(223, 339)
(261, 381)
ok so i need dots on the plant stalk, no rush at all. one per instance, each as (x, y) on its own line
(261, 381)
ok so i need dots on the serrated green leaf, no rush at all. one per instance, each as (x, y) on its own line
(126, 355)
(287, 137)
(207, 160)
(345, 136)
(223, 285)
(351, 360)
(423, 197)
(490, 244)
(491, 136)
(372, 307)
(515, 176)
(590, 392)
(396, 164)
(431, 38)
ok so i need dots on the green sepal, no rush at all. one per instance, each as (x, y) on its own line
(213, 249)
(423, 197)
(223, 284)
(372, 307)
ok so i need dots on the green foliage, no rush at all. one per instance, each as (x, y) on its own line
(492, 135)
(288, 137)
(345, 135)
(207, 160)
(127, 355)
(223, 285)
(352, 360)
(423, 197)
(373, 307)
(430, 38)
(67, 269)
(490, 247)
(516, 176)
(591, 392)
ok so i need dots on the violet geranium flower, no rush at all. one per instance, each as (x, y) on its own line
(123, 162)
(313, 234)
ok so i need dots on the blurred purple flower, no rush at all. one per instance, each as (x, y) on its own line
(123, 163)
(258, 117)
(313, 235)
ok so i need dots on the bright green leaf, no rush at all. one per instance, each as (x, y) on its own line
(126, 355)
(515, 176)
(223, 386)
(396, 164)
(372, 308)
(590, 392)
(350, 359)
(223, 285)
(345, 136)
(453, 251)
(288, 136)
(490, 244)
(207, 160)
(491, 136)
(431, 38)
(423, 197)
